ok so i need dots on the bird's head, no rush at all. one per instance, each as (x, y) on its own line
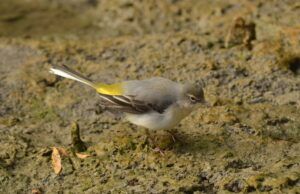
(192, 95)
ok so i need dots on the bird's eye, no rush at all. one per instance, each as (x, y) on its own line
(193, 99)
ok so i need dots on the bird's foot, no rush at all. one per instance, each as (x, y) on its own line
(162, 140)
(159, 150)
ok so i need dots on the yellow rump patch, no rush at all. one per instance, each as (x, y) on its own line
(110, 89)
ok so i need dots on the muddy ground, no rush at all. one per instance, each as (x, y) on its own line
(245, 53)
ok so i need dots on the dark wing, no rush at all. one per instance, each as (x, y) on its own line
(128, 104)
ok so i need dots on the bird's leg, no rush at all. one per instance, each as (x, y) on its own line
(152, 143)
(149, 139)
(148, 135)
(173, 135)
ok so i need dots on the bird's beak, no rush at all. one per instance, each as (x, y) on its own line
(205, 103)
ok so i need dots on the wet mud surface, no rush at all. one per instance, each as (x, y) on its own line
(245, 53)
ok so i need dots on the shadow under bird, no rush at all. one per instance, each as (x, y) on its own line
(156, 103)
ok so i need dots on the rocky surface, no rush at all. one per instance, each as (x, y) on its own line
(246, 53)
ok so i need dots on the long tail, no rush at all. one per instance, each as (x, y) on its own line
(66, 72)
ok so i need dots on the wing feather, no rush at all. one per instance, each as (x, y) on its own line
(127, 104)
(141, 96)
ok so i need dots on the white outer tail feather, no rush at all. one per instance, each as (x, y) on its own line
(63, 72)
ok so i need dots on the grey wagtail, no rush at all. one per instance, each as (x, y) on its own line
(156, 103)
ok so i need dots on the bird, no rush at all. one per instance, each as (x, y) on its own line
(156, 103)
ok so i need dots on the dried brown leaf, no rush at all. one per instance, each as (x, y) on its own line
(56, 160)
(36, 191)
(62, 151)
(82, 156)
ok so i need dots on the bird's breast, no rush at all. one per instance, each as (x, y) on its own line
(156, 121)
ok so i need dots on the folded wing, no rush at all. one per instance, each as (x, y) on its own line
(155, 94)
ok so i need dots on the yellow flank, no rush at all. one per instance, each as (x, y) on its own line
(110, 89)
